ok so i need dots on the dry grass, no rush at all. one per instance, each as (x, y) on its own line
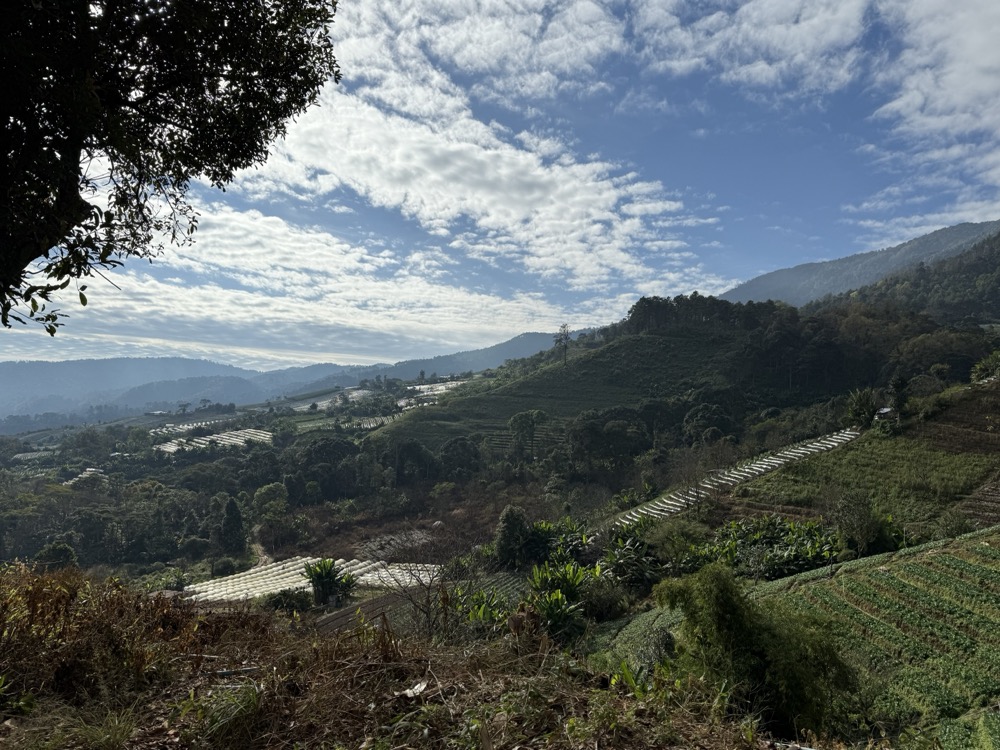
(95, 665)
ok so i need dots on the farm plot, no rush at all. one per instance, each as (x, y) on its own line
(921, 624)
(679, 500)
(912, 479)
(234, 438)
(288, 574)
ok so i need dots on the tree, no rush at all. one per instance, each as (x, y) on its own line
(562, 340)
(112, 108)
(55, 555)
(233, 535)
(862, 405)
(777, 663)
(522, 428)
(987, 367)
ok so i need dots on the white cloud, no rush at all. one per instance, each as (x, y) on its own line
(812, 45)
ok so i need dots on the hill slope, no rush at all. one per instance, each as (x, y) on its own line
(812, 281)
(962, 290)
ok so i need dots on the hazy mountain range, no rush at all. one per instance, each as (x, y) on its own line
(73, 387)
(120, 385)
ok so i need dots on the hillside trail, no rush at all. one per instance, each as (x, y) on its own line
(258, 549)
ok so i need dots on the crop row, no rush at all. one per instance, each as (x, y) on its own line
(940, 686)
(935, 605)
(905, 617)
(985, 578)
(985, 551)
(876, 648)
(883, 637)
(959, 599)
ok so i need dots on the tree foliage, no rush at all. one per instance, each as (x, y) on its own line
(987, 367)
(113, 108)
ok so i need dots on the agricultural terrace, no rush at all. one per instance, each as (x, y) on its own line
(288, 575)
(176, 429)
(678, 500)
(223, 439)
(910, 477)
(921, 625)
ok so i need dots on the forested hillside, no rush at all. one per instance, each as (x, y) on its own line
(812, 281)
(963, 290)
(675, 368)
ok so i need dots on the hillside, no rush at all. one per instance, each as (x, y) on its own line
(669, 357)
(962, 290)
(921, 626)
(77, 390)
(166, 394)
(36, 387)
(475, 360)
(812, 281)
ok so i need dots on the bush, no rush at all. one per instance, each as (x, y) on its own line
(288, 600)
(56, 555)
(518, 542)
(777, 664)
(604, 599)
(329, 584)
(222, 567)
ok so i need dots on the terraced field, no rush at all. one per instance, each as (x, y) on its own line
(678, 500)
(233, 438)
(983, 506)
(287, 574)
(923, 626)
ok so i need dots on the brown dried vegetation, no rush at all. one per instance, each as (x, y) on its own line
(89, 664)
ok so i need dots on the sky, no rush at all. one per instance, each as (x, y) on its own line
(491, 167)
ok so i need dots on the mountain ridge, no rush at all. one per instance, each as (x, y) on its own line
(76, 386)
(809, 282)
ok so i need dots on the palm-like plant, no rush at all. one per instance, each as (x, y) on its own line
(329, 584)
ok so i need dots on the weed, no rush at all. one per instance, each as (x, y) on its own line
(110, 732)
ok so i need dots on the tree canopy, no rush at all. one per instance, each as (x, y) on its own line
(112, 108)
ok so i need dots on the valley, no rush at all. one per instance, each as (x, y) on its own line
(589, 522)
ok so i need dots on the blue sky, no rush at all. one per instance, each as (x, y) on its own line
(489, 167)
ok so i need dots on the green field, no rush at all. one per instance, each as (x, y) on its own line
(622, 373)
(910, 478)
(921, 626)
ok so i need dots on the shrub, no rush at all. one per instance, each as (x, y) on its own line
(778, 664)
(224, 566)
(287, 600)
(329, 584)
(56, 555)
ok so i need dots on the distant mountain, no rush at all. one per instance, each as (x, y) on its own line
(471, 361)
(812, 281)
(36, 387)
(292, 380)
(960, 291)
(74, 387)
(167, 394)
